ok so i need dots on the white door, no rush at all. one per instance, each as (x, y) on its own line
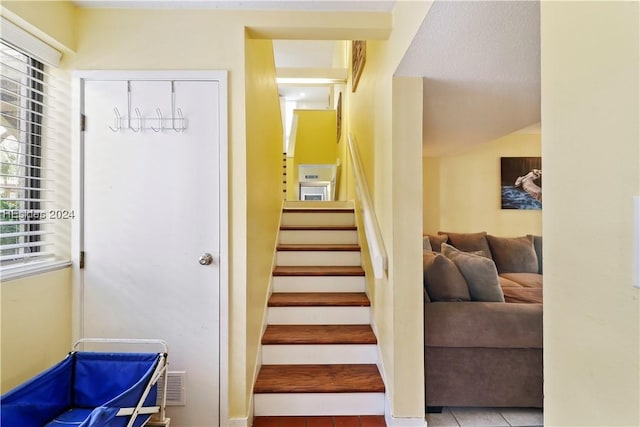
(151, 211)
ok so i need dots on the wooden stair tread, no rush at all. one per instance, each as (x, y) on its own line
(319, 334)
(319, 379)
(349, 247)
(285, 270)
(319, 299)
(318, 227)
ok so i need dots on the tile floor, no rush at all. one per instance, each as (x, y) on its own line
(355, 421)
(487, 417)
(450, 417)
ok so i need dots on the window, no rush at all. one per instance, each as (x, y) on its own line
(25, 216)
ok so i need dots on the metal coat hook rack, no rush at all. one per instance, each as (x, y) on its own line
(157, 123)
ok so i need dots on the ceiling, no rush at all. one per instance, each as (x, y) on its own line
(481, 66)
(317, 54)
(480, 61)
(297, 5)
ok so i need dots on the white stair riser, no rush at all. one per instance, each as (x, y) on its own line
(319, 237)
(317, 204)
(318, 284)
(316, 404)
(318, 218)
(318, 258)
(319, 354)
(318, 315)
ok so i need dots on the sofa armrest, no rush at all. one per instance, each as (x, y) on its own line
(482, 324)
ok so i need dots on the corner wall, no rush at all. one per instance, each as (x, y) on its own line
(455, 182)
(264, 195)
(591, 153)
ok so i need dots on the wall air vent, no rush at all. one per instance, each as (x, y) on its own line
(176, 388)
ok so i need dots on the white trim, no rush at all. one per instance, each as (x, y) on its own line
(221, 76)
(32, 269)
(239, 422)
(35, 47)
(390, 420)
(160, 75)
(404, 422)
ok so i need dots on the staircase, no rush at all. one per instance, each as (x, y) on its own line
(319, 353)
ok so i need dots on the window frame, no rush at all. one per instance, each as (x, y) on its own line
(31, 110)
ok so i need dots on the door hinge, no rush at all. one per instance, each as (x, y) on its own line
(83, 123)
(81, 259)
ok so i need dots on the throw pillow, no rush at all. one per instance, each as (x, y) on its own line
(513, 254)
(479, 272)
(426, 244)
(442, 279)
(469, 242)
(537, 245)
(437, 241)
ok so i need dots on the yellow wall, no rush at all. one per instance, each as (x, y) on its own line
(182, 39)
(341, 186)
(431, 185)
(591, 154)
(315, 144)
(36, 325)
(316, 137)
(462, 191)
(264, 200)
(51, 21)
(390, 152)
(36, 311)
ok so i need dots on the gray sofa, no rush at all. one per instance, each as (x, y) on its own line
(483, 321)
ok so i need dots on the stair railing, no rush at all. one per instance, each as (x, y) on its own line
(371, 227)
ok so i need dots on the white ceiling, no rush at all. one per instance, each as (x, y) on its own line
(297, 5)
(481, 66)
(304, 53)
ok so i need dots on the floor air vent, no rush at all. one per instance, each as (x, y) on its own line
(176, 388)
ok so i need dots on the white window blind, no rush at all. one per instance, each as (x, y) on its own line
(26, 170)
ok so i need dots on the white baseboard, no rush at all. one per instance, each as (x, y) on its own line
(404, 422)
(390, 420)
(239, 422)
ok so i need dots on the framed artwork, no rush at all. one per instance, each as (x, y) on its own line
(339, 117)
(521, 182)
(358, 58)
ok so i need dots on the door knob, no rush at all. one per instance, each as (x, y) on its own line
(205, 259)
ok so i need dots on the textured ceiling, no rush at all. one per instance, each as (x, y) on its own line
(481, 66)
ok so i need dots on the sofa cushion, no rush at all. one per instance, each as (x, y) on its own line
(442, 279)
(479, 272)
(436, 241)
(526, 280)
(522, 295)
(483, 324)
(513, 254)
(537, 245)
(469, 242)
(506, 283)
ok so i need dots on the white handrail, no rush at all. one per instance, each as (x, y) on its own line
(371, 228)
